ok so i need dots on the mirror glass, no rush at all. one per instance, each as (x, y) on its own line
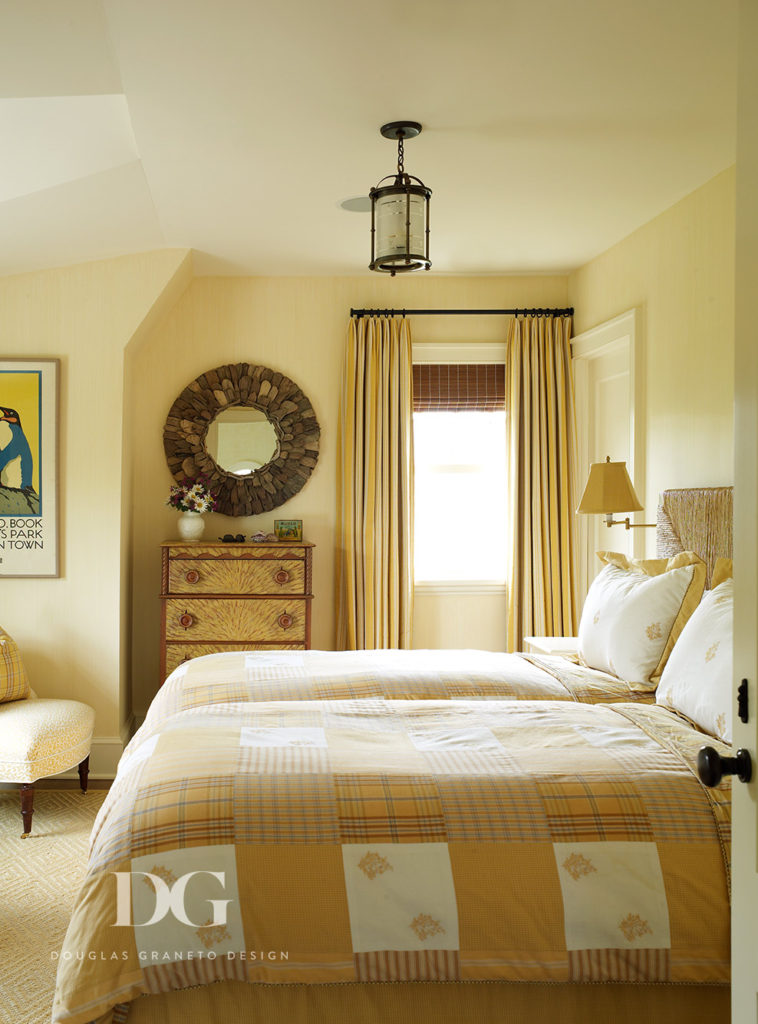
(241, 439)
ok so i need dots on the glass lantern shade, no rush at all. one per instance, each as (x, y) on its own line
(400, 226)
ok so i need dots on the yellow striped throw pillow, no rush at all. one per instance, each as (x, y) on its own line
(13, 682)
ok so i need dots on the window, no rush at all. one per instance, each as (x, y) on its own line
(459, 449)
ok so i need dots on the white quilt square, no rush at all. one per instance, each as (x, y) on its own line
(613, 895)
(452, 738)
(192, 910)
(142, 752)
(400, 896)
(283, 736)
(268, 659)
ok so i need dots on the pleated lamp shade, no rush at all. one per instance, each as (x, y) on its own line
(608, 490)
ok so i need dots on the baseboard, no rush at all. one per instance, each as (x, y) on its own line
(105, 753)
(128, 729)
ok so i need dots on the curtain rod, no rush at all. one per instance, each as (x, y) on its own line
(462, 312)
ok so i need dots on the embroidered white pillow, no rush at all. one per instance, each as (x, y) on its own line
(697, 679)
(635, 611)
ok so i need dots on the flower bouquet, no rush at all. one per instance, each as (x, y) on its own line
(192, 498)
(192, 495)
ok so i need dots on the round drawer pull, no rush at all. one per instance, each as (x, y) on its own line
(282, 576)
(186, 620)
(285, 620)
(192, 576)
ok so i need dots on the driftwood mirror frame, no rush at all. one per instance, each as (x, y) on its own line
(287, 409)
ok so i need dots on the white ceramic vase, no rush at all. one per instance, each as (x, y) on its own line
(191, 525)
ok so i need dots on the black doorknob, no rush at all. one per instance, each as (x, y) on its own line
(712, 766)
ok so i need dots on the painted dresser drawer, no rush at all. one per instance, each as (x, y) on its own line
(263, 619)
(236, 576)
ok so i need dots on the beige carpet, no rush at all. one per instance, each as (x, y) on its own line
(39, 879)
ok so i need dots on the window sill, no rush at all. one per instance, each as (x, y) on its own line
(459, 587)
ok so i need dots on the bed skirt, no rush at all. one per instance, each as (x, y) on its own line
(438, 1002)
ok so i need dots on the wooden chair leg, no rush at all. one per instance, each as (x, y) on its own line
(27, 807)
(84, 773)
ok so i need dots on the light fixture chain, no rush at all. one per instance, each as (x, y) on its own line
(400, 154)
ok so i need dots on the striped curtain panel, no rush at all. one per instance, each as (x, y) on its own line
(375, 488)
(539, 395)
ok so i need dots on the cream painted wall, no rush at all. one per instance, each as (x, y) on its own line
(297, 326)
(679, 271)
(69, 629)
(473, 620)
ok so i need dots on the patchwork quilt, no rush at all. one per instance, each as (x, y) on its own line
(373, 839)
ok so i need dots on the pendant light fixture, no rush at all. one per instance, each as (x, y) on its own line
(400, 213)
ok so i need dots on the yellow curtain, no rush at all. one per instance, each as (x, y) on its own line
(539, 396)
(375, 487)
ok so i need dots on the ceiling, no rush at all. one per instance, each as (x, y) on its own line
(551, 130)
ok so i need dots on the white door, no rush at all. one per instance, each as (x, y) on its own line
(745, 849)
(609, 423)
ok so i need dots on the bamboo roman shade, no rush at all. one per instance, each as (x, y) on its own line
(470, 387)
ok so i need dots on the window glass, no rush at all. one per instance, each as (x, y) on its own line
(459, 496)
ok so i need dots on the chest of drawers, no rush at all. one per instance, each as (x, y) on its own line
(233, 597)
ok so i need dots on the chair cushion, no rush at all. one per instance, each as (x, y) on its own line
(43, 737)
(13, 682)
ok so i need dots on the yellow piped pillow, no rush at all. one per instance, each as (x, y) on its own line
(697, 680)
(722, 570)
(635, 611)
(14, 684)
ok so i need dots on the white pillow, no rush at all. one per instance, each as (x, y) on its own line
(635, 611)
(697, 679)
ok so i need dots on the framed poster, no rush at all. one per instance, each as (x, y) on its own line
(29, 467)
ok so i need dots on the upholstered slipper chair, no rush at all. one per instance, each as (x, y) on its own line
(38, 737)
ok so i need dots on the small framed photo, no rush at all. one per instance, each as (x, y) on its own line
(288, 529)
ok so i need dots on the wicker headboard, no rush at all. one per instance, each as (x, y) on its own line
(696, 519)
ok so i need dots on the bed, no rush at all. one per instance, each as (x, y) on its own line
(384, 840)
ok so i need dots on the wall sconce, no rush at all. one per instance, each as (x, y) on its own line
(610, 490)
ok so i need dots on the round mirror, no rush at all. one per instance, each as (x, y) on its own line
(249, 430)
(242, 439)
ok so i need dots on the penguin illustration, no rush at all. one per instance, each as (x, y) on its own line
(17, 447)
